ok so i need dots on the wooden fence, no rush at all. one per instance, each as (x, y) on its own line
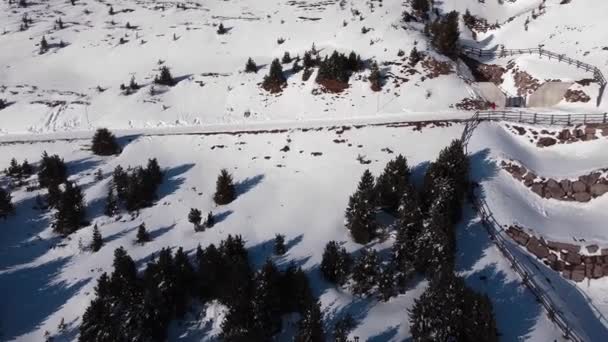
(597, 73)
(540, 118)
(494, 228)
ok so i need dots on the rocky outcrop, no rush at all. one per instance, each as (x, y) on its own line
(564, 257)
(583, 189)
(546, 138)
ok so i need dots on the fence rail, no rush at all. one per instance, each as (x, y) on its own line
(494, 228)
(541, 118)
(597, 73)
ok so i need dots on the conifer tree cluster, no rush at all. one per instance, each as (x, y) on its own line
(336, 263)
(450, 311)
(361, 210)
(52, 171)
(337, 69)
(275, 80)
(251, 66)
(3, 103)
(17, 171)
(375, 77)
(224, 188)
(71, 211)
(164, 77)
(6, 205)
(136, 188)
(421, 7)
(138, 307)
(142, 234)
(445, 34)
(104, 143)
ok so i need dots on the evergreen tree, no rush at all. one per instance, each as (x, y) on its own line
(308, 61)
(354, 62)
(409, 227)
(415, 57)
(251, 66)
(221, 29)
(209, 221)
(310, 327)
(421, 6)
(343, 327)
(184, 281)
(26, 169)
(386, 284)
(224, 189)
(296, 294)
(279, 244)
(53, 196)
(210, 272)
(44, 45)
(393, 183)
(142, 234)
(336, 263)
(153, 172)
(365, 271)
(449, 311)
(275, 79)
(52, 171)
(445, 34)
(361, 210)
(97, 240)
(14, 169)
(120, 179)
(6, 206)
(335, 68)
(195, 218)
(434, 253)
(104, 143)
(286, 58)
(70, 210)
(111, 207)
(375, 78)
(164, 77)
(267, 301)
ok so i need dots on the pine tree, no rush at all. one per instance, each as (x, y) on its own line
(409, 227)
(365, 271)
(279, 244)
(53, 195)
(375, 78)
(209, 221)
(386, 284)
(286, 58)
(445, 34)
(275, 79)
(267, 301)
(142, 234)
(195, 218)
(26, 169)
(44, 45)
(310, 327)
(221, 29)
(336, 263)
(392, 183)
(120, 179)
(421, 6)
(14, 169)
(343, 327)
(307, 60)
(224, 189)
(164, 77)
(296, 294)
(209, 270)
(415, 57)
(251, 66)
(361, 210)
(184, 281)
(153, 172)
(354, 62)
(52, 171)
(97, 240)
(6, 206)
(104, 143)
(70, 211)
(434, 252)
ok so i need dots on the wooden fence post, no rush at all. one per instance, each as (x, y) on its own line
(552, 118)
(568, 119)
(534, 118)
(585, 119)
(604, 117)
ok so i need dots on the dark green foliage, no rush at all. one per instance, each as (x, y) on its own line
(409, 227)
(386, 284)
(415, 57)
(421, 7)
(71, 212)
(164, 77)
(251, 66)
(296, 294)
(308, 60)
(209, 221)
(142, 234)
(138, 188)
(14, 169)
(97, 240)
(375, 78)
(210, 264)
(52, 171)
(365, 271)
(286, 58)
(361, 210)
(267, 301)
(44, 45)
(221, 29)
(3, 103)
(393, 183)
(449, 311)
(104, 143)
(111, 207)
(343, 327)
(275, 80)
(6, 206)
(445, 34)
(336, 263)
(120, 179)
(53, 195)
(337, 67)
(296, 67)
(224, 188)
(279, 244)
(354, 62)
(195, 217)
(310, 327)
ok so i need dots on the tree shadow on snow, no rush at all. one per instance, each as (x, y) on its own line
(247, 184)
(81, 165)
(125, 140)
(221, 217)
(172, 180)
(31, 296)
(154, 234)
(418, 172)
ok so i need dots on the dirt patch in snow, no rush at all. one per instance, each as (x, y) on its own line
(576, 96)
(435, 68)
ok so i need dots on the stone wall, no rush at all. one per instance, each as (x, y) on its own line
(582, 189)
(545, 138)
(565, 258)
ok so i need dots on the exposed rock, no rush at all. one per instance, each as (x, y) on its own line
(552, 257)
(578, 186)
(564, 135)
(589, 270)
(604, 251)
(566, 185)
(552, 183)
(556, 192)
(578, 273)
(529, 178)
(592, 248)
(537, 188)
(573, 258)
(562, 246)
(518, 235)
(598, 189)
(546, 141)
(605, 269)
(582, 197)
(535, 247)
(598, 271)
